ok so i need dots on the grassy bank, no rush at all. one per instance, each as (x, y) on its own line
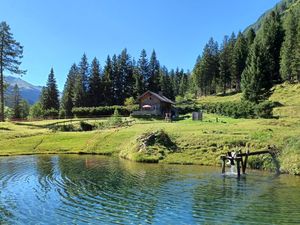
(197, 142)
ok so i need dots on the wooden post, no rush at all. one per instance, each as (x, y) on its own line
(223, 158)
(245, 162)
(238, 168)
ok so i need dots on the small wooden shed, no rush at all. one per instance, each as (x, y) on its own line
(151, 103)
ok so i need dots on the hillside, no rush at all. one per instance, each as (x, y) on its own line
(29, 92)
(286, 94)
(281, 7)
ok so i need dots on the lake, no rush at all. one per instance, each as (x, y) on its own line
(81, 189)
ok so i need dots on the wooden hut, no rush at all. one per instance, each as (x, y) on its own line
(151, 103)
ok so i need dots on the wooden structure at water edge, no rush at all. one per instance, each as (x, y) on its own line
(240, 159)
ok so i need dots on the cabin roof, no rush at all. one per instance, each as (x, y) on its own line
(160, 97)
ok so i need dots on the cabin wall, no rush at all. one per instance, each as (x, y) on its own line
(149, 99)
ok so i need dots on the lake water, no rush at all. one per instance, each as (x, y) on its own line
(74, 189)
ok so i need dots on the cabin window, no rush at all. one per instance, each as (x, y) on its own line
(150, 98)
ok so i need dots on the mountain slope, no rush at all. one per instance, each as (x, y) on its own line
(29, 92)
(281, 7)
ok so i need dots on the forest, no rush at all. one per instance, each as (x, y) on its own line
(251, 62)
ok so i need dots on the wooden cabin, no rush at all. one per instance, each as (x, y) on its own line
(151, 103)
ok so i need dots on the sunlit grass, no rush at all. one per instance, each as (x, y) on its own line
(199, 142)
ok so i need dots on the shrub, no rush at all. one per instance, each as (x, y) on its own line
(244, 109)
(86, 126)
(36, 111)
(115, 119)
(102, 111)
(51, 113)
(265, 109)
(67, 127)
(62, 113)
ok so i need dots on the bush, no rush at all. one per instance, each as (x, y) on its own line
(242, 109)
(265, 109)
(36, 111)
(86, 126)
(115, 119)
(62, 113)
(51, 113)
(102, 111)
(67, 127)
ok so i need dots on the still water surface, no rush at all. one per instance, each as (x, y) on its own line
(72, 189)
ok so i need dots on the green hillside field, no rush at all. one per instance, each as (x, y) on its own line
(198, 142)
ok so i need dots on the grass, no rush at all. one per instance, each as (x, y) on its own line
(199, 142)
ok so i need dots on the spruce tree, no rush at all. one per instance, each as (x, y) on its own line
(11, 53)
(297, 61)
(16, 103)
(164, 86)
(224, 65)
(138, 83)
(250, 36)
(272, 37)
(183, 85)
(95, 94)
(116, 81)
(68, 92)
(84, 73)
(107, 83)
(240, 54)
(143, 69)
(256, 79)
(288, 64)
(79, 94)
(50, 94)
(126, 76)
(154, 73)
(231, 44)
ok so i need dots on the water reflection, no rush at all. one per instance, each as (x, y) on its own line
(74, 189)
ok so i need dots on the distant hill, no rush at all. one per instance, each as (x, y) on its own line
(29, 92)
(280, 7)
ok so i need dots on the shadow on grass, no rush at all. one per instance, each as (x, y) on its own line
(5, 128)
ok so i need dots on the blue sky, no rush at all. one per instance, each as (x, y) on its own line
(56, 33)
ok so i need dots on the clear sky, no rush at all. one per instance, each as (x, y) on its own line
(55, 33)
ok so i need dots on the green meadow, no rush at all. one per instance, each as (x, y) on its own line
(198, 142)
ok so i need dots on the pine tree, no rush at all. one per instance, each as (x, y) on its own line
(250, 36)
(95, 94)
(197, 77)
(240, 54)
(107, 83)
(207, 68)
(231, 44)
(297, 60)
(154, 73)
(126, 76)
(272, 37)
(256, 79)
(11, 53)
(50, 93)
(138, 82)
(84, 73)
(183, 85)
(116, 81)
(224, 65)
(143, 70)
(68, 92)
(288, 63)
(16, 103)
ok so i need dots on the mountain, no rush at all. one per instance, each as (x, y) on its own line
(29, 92)
(282, 7)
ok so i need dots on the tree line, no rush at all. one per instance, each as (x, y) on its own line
(252, 61)
(88, 85)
